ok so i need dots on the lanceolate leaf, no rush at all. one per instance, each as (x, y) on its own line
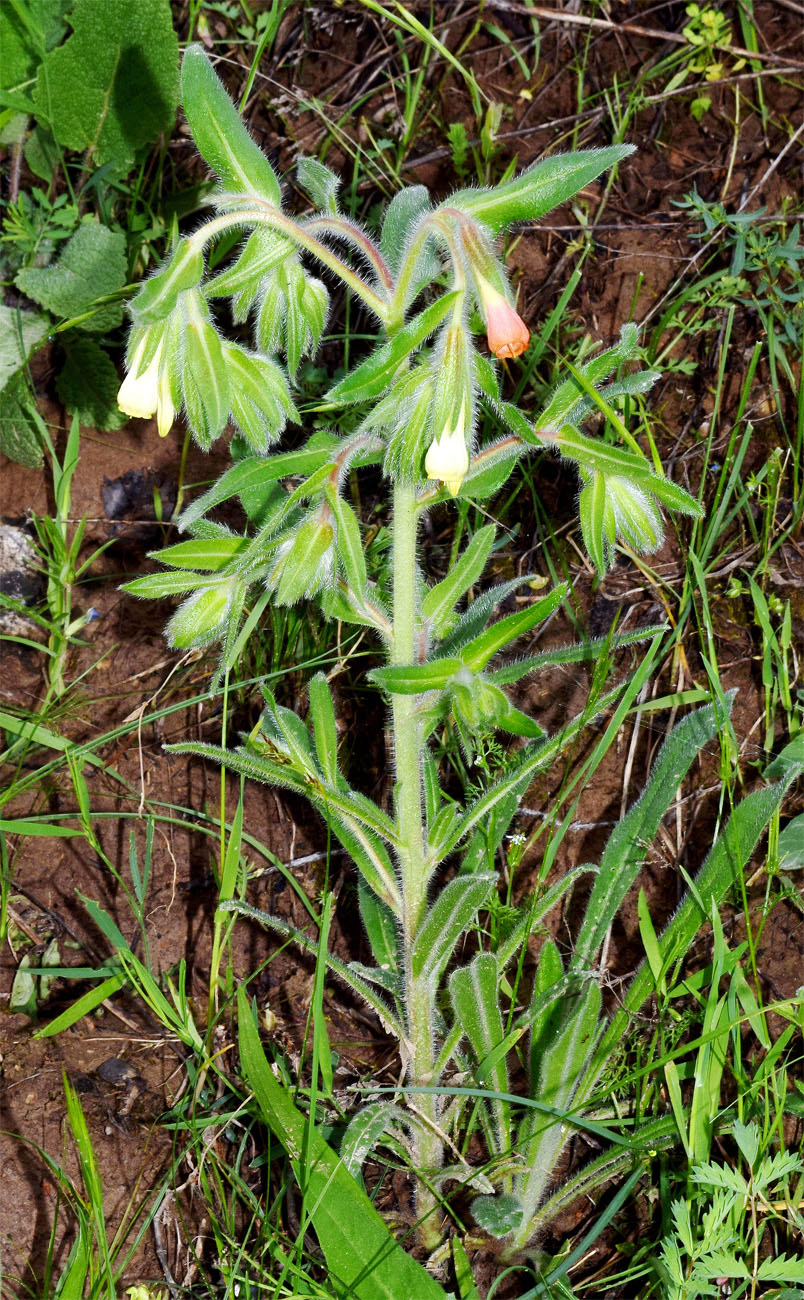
(363, 1259)
(630, 839)
(220, 134)
(474, 992)
(416, 679)
(730, 854)
(539, 189)
(453, 911)
(375, 374)
(256, 472)
(480, 650)
(440, 601)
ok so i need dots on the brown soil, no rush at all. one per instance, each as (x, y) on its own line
(124, 1067)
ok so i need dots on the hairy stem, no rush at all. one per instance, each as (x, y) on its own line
(409, 812)
(265, 214)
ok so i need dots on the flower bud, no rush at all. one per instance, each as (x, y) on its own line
(508, 335)
(448, 457)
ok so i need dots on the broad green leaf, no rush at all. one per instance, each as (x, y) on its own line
(91, 265)
(375, 374)
(26, 33)
(441, 599)
(20, 331)
(112, 87)
(220, 133)
(539, 189)
(88, 384)
(497, 1215)
(453, 911)
(630, 840)
(363, 1259)
(791, 845)
(415, 679)
(19, 432)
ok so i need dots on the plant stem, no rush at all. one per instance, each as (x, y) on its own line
(265, 214)
(409, 812)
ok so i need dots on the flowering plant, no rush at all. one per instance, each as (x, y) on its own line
(426, 864)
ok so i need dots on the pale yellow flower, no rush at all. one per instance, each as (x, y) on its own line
(448, 457)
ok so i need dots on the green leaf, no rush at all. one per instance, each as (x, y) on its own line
(112, 87)
(363, 1259)
(365, 1130)
(483, 648)
(319, 183)
(91, 265)
(348, 542)
(205, 381)
(440, 601)
(630, 840)
(402, 212)
(730, 853)
(155, 586)
(597, 522)
(160, 293)
(497, 1215)
(375, 374)
(325, 731)
(219, 131)
(539, 189)
(257, 473)
(475, 997)
(453, 911)
(19, 435)
(27, 31)
(415, 679)
(262, 252)
(20, 331)
(205, 553)
(88, 384)
(381, 927)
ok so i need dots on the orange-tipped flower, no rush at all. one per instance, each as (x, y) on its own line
(507, 333)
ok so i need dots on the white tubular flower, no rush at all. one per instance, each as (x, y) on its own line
(142, 395)
(448, 457)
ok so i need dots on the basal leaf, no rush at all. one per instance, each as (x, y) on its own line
(91, 265)
(112, 87)
(363, 1259)
(88, 384)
